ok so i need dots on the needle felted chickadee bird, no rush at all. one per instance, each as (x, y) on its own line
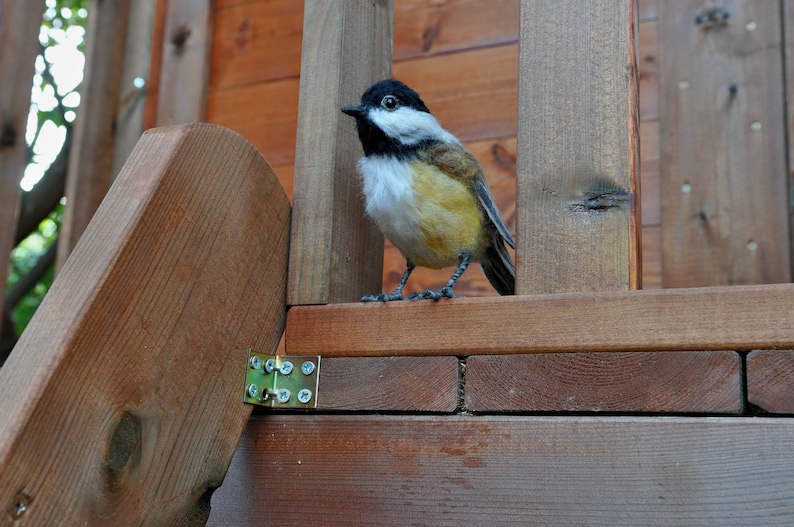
(426, 193)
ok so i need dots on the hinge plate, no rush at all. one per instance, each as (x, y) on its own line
(281, 381)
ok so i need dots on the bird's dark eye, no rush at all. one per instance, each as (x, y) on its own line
(390, 102)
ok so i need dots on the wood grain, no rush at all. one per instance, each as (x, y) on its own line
(648, 35)
(699, 381)
(336, 253)
(725, 206)
(578, 145)
(122, 401)
(416, 384)
(185, 62)
(19, 44)
(770, 380)
(90, 171)
(696, 319)
(500, 470)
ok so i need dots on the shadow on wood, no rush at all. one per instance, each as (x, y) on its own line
(122, 402)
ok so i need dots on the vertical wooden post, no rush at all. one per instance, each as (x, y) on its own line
(336, 253)
(90, 170)
(725, 209)
(185, 66)
(19, 44)
(578, 147)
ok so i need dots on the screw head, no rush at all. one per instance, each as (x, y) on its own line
(307, 368)
(285, 368)
(256, 362)
(270, 365)
(283, 395)
(253, 390)
(305, 396)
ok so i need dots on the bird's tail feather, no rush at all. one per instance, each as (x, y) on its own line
(499, 268)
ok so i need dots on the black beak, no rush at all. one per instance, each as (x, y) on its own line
(355, 111)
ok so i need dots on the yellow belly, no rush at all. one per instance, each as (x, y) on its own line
(450, 219)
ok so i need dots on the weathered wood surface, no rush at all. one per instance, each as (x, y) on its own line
(770, 380)
(185, 62)
(417, 384)
(578, 148)
(122, 402)
(696, 319)
(336, 254)
(90, 171)
(725, 203)
(19, 44)
(698, 381)
(498, 470)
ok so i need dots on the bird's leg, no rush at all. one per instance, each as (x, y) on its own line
(397, 294)
(446, 291)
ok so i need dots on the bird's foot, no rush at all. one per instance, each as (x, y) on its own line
(383, 297)
(434, 295)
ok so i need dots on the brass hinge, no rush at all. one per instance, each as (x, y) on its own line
(282, 381)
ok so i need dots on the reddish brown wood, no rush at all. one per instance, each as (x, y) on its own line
(698, 319)
(418, 384)
(700, 381)
(497, 470)
(122, 403)
(770, 380)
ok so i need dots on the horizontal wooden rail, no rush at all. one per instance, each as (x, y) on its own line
(715, 318)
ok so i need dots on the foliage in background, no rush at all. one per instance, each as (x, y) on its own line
(54, 98)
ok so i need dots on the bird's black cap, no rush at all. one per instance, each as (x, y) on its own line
(375, 94)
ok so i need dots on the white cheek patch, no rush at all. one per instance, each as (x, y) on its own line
(410, 126)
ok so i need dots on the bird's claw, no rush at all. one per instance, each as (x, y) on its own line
(394, 295)
(433, 295)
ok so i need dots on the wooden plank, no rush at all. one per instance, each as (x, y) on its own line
(424, 28)
(132, 94)
(696, 319)
(770, 380)
(122, 401)
(19, 44)
(255, 42)
(663, 382)
(788, 64)
(336, 253)
(416, 384)
(722, 226)
(578, 197)
(652, 257)
(648, 34)
(501, 470)
(185, 63)
(651, 199)
(90, 171)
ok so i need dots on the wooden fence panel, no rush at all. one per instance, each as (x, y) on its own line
(122, 403)
(501, 470)
(770, 380)
(725, 205)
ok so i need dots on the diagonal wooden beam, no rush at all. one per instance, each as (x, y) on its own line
(122, 403)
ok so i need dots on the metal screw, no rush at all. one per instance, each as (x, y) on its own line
(307, 367)
(752, 246)
(270, 365)
(283, 395)
(755, 126)
(305, 396)
(751, 25)
(686, 188)
(256, 362)
(253, 390)
(19, 507)
(285, 368)
(683, 85)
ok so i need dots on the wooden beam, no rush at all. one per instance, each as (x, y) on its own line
(578, 147)
(337, 254)
(19, 44)
(661, 382)
(501, 470)
(725, 206)
(770, 380)
(90, 171)
(185, 64)
(122, 402)
(697, 319)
